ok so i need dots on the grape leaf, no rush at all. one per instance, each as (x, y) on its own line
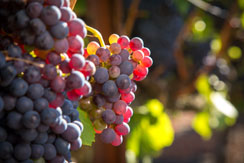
(88, 134)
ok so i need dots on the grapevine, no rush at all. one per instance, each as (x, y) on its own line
(47, 74)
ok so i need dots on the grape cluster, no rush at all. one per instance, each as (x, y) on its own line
(45, 24)
(118, 66)
(37, 120)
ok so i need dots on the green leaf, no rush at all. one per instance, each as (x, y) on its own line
(88, 134)
(201, 124)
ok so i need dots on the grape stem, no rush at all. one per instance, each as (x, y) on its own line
(97, 34)
(20, 59)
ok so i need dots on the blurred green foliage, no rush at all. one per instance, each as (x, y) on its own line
(151, 130)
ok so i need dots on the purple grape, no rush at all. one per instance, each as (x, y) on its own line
(48, 116)
(24, 104)
(49, 151)
(103, 54)
(3, 134)
(62, 146)
(9, 102)
(61, 46)
(66, 14)
(35, 91)
(37, 26)
(108, 135)
(57, 3)
(114, 71)
(115, 60)
(31, 119)
(49, 71)
(109, 88)
(124, 55)
(22, 151)
(34, 9)
(37, 151)
(14, 120)
(99, 100)
(7, 74)
(72, 132)
(21, 19)
(58, 84)
(14, 51)
(60, 128)
(32, 74)
(6, 150)
(94, 59)
(44, 41)
(108, 116)
(53, 58)
(59, 30)
(50, 15)
(101, 75)
(40, 104)
(75, 145)
(28, 135)
(75, 80)
(123, 81)
(41, 138)
(126, 68)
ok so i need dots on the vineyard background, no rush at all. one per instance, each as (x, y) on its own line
(196, 80)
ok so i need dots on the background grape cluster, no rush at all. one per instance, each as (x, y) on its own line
(46, 74)
(118, 66)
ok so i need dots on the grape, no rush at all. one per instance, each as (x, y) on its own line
(24, 104)
(109, 116)
(94, 59)
(64, 67)
(77, 27)
(85, 90)
(128, 113)
(89, 68)
(53, 58)
(119, 107)
(72, 132)
(103, 54)
(59, 101)
(59, 30)
(49, 151)
(124, 55)
(76, 43)
(75, 145)
(57, 159)
(6, 150)
(60, 128)
(22, 151)
(123, 41)
(128, 98)
(99, 100)
(75, 80)
(133, 86)
(37, 26)
(42, 128)
(66, 14)
(44, 41)
(122, 129)
(49, 95)
(109, 88)
(113, 98)
(35, 91)
(31, 119)
(34, 9)
(115, 60)
(146, 51)
(57, 3)
(78, 123)
(62, 146)
(3, 134)
(99, 124)
(2, 60)
(108, 135)
(14, 51)
(136, 43)
(74, 115)
(37, 151)
(123, 81)
(147, 61)
(101, 75)
(125, 91)
(21, 19)
(92, 47)
(118, 140)
(11, 160)
(114, 71)
(58, 84)
(9, 102)
(7, 74)
(115, 48)
(49, 72)
(28, 135)
(67, 107)
(126, 68)
(48, 116)
(66, 3)
(20, 66)
(50, 15)
(44, 82)
(51, 138)
(32, 74)
(67, 118)
(76, 62)
(140, 71)
(138, 55)
(119, 119)
(41, 138)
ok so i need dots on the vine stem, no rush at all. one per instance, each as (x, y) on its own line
(97, 34)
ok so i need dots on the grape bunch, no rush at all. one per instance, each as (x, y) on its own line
(38, 121)
(118, 65)
(44, 24)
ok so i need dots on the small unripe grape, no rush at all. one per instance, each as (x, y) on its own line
(113, 38)
(92, 47)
